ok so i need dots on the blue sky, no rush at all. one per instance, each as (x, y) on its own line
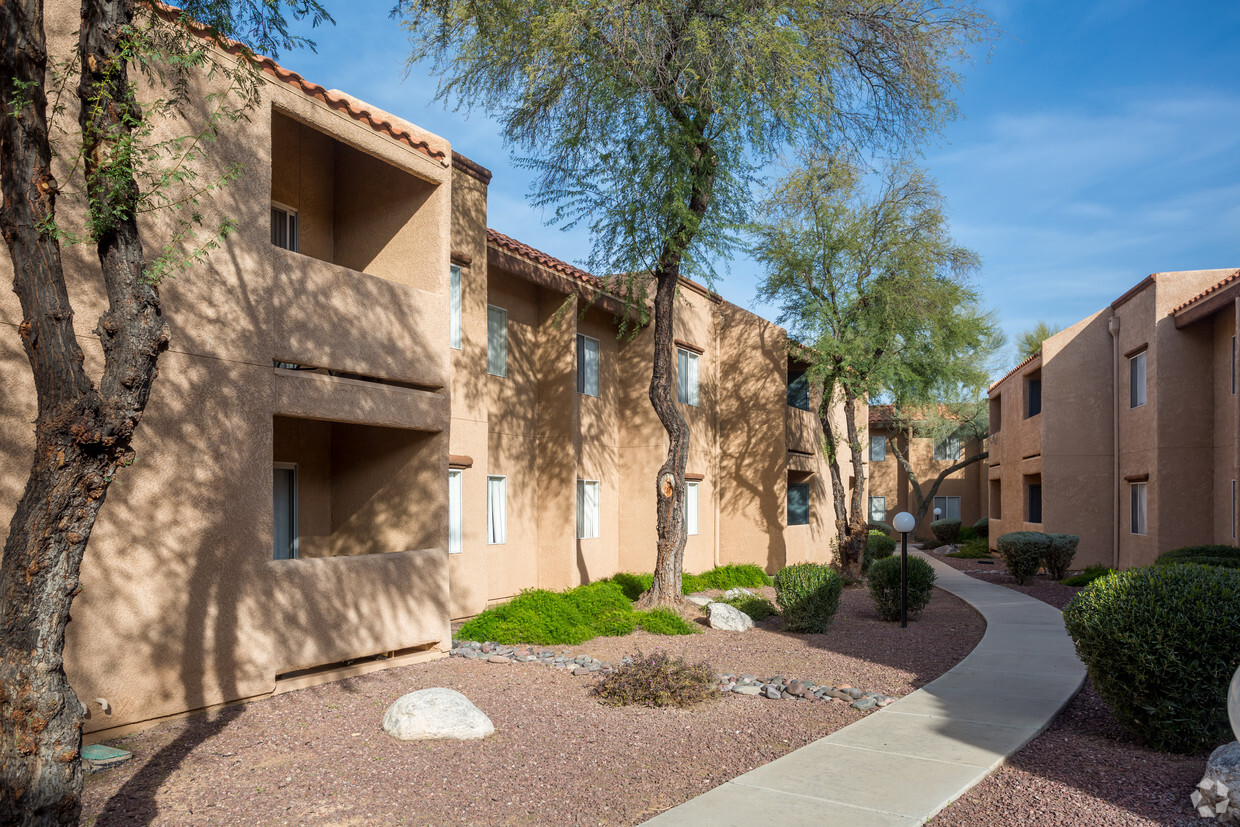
(1100, 143)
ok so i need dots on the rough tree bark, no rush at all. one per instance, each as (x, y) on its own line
(851, 524)
(82, 434)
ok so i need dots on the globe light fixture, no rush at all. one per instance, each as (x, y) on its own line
(904, 522)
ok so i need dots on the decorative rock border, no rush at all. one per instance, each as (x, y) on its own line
(774, 688)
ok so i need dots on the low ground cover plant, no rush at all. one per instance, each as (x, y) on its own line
(877, 546)
(1023, 553)
(756, 606)
(657, 680)
(947, 532)
(967, 533)
(1088, 576)
(746, 576)
(1211, 555)
(975, 549)
(808, 595)
(885, 587)
(1159, 644)
(1060, 550)
(879, 525)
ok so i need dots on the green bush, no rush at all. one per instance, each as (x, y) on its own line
(966, 534)
(616, 623)
(879, 525)
(1214, 555)
(664, 622)
(1088, 576)
(731, 576)
(885, 586)
(878, 545)
(1060, 550)
(1160, 646)
(657, 680)
(808, 595)
(633, 585)
(976, 549)
(758, 608)
(1022, 553)
(982, 527)
(945, 531)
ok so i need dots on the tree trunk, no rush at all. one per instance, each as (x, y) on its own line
(924, 501)
(857, 533)
(833, 466)
(82, 436)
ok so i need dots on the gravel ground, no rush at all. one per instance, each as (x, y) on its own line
(318, 756)
(1085, 770)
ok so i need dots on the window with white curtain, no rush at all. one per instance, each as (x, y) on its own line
(454, 512)
(691, 508)
(454, 307)
(686, 376)
(497, 341)
(587, 509)
(1137, 507)
(1136, 382)
(949, 507)
(497, 510)
(284, 227)
(948, 448)
(587, 365)
(878, 509)
(878, 448)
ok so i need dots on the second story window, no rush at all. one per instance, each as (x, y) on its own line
(1033, 395)
(878, 448)
(691, 508)
(497, 341)
(587, 365)
(686, 376)
(284, 227)
(454, 307)
(1136, 381)
(798, 389)
(948, 448)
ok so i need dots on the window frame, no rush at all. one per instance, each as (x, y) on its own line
(295, 517)
(501, 478)
(946, 441)
(1029, 486)
(946, 506)
(1138, 508)
(292, 226)
(798, 390)
(456, 514)
(582, 485)
(692, 385)
(808, 503)
(455, 297)
(693, 523)
(882, 443)
(1135, 359)
(497, 349)
(883, 500)
(583, 365)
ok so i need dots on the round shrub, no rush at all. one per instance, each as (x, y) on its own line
(878, 545)
(879, 525)
(1226, 556)
(1022, 553)
(657, 680)
(808, 595)
(945, 531)
(982, 527)
(967, 533)
(1059, 553)
(1160, 647)
(885, 586)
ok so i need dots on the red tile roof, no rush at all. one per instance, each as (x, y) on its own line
(1014, 370)
(540, 258)
(1208, 292)
(885, 414)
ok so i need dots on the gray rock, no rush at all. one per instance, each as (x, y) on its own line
(436, 714)
(727, 618)
(796, 688)
(864, 703)
(700, 599)
(746, 689)
(839, 694)
(499, 659)
(581, 670)
(1218, 793)
(855, 694)
(771, 692)
(946, 549)
(735, 592)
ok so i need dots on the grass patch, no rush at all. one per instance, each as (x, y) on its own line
(1088, 576)
(720, 577)
(975, 549)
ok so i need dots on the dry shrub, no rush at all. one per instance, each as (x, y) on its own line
(656, 680)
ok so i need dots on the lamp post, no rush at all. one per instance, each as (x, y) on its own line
(904, 522)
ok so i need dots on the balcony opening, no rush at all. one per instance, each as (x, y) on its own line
(1033, 498)
(996, 413)
(798, 384)
(996, 500)
(1033, 393)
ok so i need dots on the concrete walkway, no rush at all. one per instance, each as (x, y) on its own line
(905, 763)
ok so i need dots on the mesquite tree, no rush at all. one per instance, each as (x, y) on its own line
(651, 120)
(955, 424)
(117, 167)
(871, 284)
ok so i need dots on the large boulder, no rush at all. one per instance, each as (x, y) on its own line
(728, 618)
(436, 714)
(700, 599)
(1218, 794)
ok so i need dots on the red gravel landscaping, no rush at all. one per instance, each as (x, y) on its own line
(319, 756)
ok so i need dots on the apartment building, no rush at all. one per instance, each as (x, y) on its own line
(961, 496)
(377, 415)
(1123, 429)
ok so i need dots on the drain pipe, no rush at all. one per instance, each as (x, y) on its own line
(1113, 327)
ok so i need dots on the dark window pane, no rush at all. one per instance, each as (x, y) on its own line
(798, 389)
(798, 504)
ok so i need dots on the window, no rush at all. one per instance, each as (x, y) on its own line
(587, 509)
(587, 365)
(996, 500)
(1137, 507)
(798, 504)
(1233, 371)
(949, 507)
(284, 227)
(497, 341)
(996, 413)
(454, 512)
(454, 307)
(1034, 502)
(686, 376)
(691, 508)
(1033, 394)
(948, 448)
(1136, 382)
(284, 508)
(878, 448)
(878, 509)
(798, 389)
(497, 510)
(1233, 505)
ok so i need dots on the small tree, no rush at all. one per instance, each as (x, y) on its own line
(650, 120)
(958, 424)
(1030, 342)
(875, 289)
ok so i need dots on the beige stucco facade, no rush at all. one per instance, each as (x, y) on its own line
(1097, 448)
(330, 364)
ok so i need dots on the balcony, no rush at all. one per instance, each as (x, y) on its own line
(802, 431)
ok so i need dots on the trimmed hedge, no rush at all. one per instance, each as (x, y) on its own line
(947, 532)
(1059, 553)
(878, 525)
(966, 534)
(1022, 553)
(1212, 555)
(1160, 646)
(885, 586)
(808, 595)
(877, 546)
(982, 527)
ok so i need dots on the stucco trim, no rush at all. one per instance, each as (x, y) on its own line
(1135, 290)
(681, 343)
(460, 461)
(1217, 298)
(694, 477)
(1141, 348)
(460, 259)
(1137, 477)
(471, 168)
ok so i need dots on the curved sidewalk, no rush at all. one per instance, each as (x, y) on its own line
(905, 763)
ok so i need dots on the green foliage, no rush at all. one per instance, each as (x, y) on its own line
(808, 595)
(758, 608)
(1160, 647)
(877, 546)
(967, 533)
(1022, 553)
(615, 623)
(982, 527)
(731, 576)
(878, 525)
(946, 531)
(664, 622)
(1088, 576)
(633, 585)
(975, 549)
(657, 680)
(1060, 550)
(1030, 342)
(1208, 555)
(885, 587)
